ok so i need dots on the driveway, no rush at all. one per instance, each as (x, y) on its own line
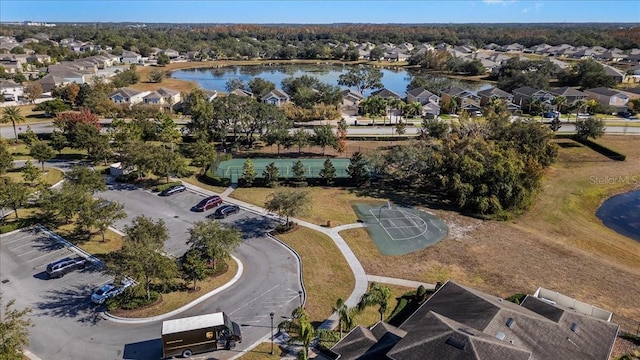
(67, 325)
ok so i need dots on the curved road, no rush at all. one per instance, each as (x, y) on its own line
(68, 325)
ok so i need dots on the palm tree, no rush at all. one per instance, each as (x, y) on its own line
(559, 102)
(415, 108)
(345, 314)
(377, 295)
(11, 114)
(579, 105)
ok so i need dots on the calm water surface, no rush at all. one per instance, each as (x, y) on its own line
(216, 78)
(621, 213)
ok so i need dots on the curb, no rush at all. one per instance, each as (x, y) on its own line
(195, 302)
(69, 245)
(299, 260)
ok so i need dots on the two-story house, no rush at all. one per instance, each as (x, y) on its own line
(430, 102)
(465, 100)
(351, 101)
(487, 96)
(523, 96)
(386, 94)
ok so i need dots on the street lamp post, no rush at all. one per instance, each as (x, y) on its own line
(271, 315)
(300, 296)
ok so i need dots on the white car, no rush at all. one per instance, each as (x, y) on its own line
(110, 290)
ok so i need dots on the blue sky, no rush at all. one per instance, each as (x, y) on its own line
(322, 12)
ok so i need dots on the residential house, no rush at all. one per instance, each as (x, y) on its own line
(423, 96)
(276, 97)
(153, 98)
(239, 92)
(616, 74)
(351, 101)
(611, 55)
(10, 90)
(632, 93)
(386, 94)
(515, 47)
(212, 94)
(170, 97)
(572, 95)
(523, 96)
(130, 57)
(50, 82)
(172, 54)
(430, 102)
(608, 97)
(12, 66)
(396, 55)
(559, 66)
(458, 322)
(490, 94)
(128, 96)
(465, 100)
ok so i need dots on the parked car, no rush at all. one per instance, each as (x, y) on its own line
(477, 113)
(224, 211)
(172, 190)
(110, 290)
(625, 114)
(208, 203)
(61, 267)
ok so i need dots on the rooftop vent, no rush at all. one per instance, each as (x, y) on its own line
(500, 335)
(574, 327)
(455, 343)
(510, 322)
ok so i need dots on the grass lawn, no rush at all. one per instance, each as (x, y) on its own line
(558, 244)
(369, 316)
(21, 152)
(50, 177)
(31, 117)
(325, 280)
(263, 352)
(94, 244)
(176, 299)
(329, 203)
(194, 181)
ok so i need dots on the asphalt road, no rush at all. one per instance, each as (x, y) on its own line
(47, 128)
(68, 325)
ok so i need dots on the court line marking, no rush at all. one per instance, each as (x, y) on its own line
(410, 216)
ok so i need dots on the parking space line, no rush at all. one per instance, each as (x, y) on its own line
(14, 240)
(41, 256)
(28, 252)
(18, 247)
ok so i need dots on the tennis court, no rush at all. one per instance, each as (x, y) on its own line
(398, 230)
(232, 169)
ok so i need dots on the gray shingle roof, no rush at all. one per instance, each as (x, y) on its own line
(420, 92)
(494, 91)
(567, 91)
(385, 93)
(603, 91)
(458, 322)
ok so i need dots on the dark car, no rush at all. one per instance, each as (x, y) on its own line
(173, 190)
(208, 203)
(224, 211)
(624, 114)
(61, 267)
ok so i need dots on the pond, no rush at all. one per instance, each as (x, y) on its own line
(621, 213)
(395, 79)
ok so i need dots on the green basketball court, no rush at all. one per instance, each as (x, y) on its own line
(400, 230)
(232, 169)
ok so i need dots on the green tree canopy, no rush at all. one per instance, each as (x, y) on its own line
(362, 78)
(14, 330)
(288, 202)
(42, 152)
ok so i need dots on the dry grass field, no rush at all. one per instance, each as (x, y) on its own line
(559, 244)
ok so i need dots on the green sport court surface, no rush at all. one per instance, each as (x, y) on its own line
(400, 230)
(232, 169)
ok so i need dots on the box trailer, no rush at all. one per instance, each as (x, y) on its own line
(197, 334)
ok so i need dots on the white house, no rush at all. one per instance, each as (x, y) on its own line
(130, 57)
(11, 90)
(276, 97)
(128, 96)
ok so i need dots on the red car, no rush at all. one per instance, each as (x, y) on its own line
(208, 203)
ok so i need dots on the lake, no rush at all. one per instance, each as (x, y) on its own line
(216, 78)
(621, 213)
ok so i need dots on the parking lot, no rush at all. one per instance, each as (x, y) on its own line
(69, 326)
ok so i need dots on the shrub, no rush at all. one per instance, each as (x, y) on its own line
(163, 187)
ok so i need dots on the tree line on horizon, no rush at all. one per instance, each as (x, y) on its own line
(262, 37)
